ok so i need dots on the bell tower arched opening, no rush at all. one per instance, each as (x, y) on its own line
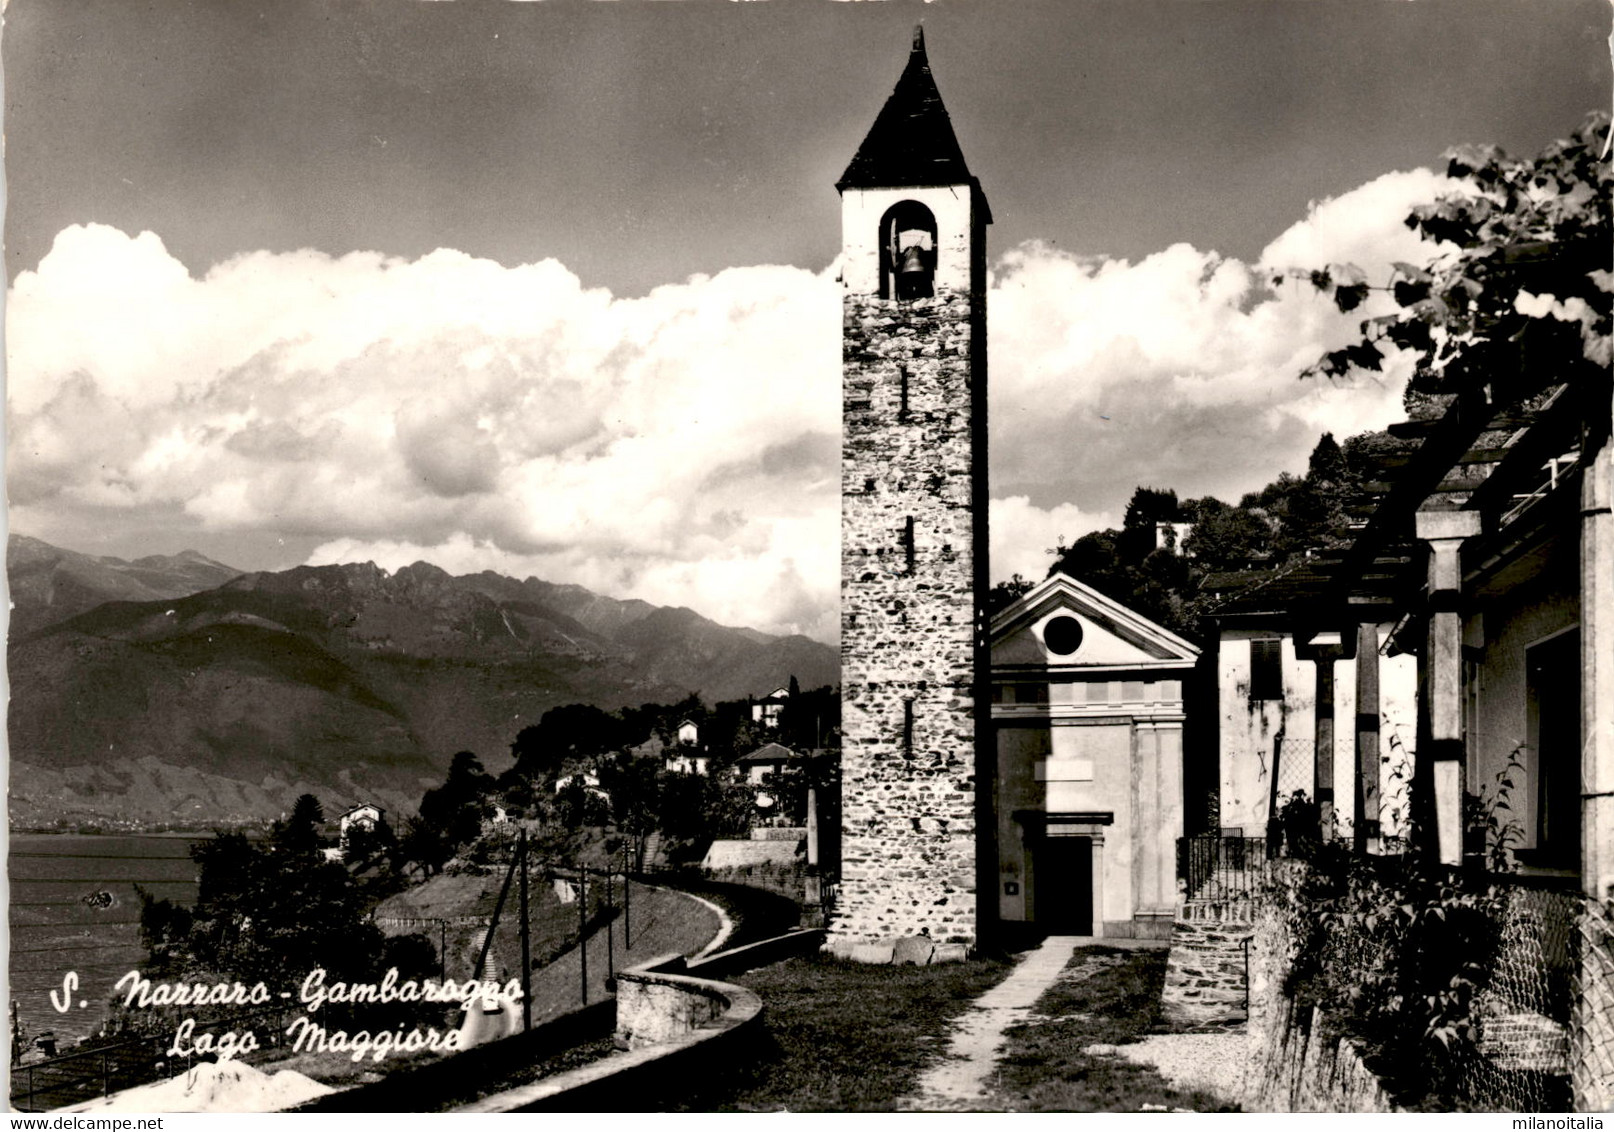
(907, 251)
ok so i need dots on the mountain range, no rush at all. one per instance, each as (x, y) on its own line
(179, 690)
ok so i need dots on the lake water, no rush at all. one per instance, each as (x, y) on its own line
(74, 907)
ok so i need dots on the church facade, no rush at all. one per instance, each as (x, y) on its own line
(1087, 721)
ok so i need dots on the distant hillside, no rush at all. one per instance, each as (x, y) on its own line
(344, 680)
(49, 584)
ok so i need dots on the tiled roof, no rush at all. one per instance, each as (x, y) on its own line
(769, 753)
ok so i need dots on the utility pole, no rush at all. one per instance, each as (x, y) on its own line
(627, 888)
(610, 931)
(582, 925)
(526, 941)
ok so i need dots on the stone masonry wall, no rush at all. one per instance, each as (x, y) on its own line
(1205, 971)
(907, 632)
(1292, 1066)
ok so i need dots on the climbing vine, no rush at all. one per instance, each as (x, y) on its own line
(1395, 950)
(1519, 281)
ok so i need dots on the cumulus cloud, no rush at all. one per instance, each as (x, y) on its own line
(1364, 226)
(1181, 370)
(682, 447)
(1023, 536)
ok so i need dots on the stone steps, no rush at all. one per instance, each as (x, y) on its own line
(1206, 971)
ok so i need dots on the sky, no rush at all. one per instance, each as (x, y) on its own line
(550, 287)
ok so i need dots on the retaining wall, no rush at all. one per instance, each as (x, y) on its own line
(1293, 1065)
(680, 1030)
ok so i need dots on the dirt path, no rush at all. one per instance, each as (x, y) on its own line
(959, 1080)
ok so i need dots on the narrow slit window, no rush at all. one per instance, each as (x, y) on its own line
(907, 542)
(907, 728)
(902, 404)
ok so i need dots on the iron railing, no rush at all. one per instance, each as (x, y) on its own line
(1212, 867)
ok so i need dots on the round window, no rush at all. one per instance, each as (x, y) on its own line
(1062, 635)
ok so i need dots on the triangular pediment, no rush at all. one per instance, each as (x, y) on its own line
(1036, 631)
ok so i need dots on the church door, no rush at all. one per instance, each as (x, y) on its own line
(1065, 886)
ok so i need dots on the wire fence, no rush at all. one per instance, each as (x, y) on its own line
(1546, 1015)
(1542, 1005)
(1521, 1059)
(1591, 1024)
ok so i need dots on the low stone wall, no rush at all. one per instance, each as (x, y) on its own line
(750, 854)
(1293, 1065)
(1298, 1069)
(918, 950)
(667, 1021)
(725, 964)
(1205, 973)
(653, 1007)
(680, 1030)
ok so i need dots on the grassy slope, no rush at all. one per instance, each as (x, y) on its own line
(1042, 1067)
(845, 1036)
(662, 922)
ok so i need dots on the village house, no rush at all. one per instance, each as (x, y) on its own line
(681, 760)
(770, 758)
(365, 817)
(766, 711)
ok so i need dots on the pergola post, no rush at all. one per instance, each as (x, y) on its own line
(1323, 748)
(1323, 653)
(1444, 532)
(1592, 1073)
(1366, 786)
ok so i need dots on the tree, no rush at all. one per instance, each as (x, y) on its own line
(451, 814)
(579, 805)
(562, 733)
(1006, 593)
(264, 913)
(362, 843)
(633, 787)
(1225, 536)
(299, 833)
(425, 844)
(1148, 506)
(1519, 289)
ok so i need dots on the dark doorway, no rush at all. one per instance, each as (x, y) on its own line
(1065, 886)
(1554, 700)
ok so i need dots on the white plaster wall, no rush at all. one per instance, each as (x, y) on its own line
(1514, 621)
(1249, 730)
(861, 210)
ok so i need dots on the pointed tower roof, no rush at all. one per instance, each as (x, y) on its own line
(911, 143)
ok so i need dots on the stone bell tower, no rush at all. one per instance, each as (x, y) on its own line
(913, 529)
